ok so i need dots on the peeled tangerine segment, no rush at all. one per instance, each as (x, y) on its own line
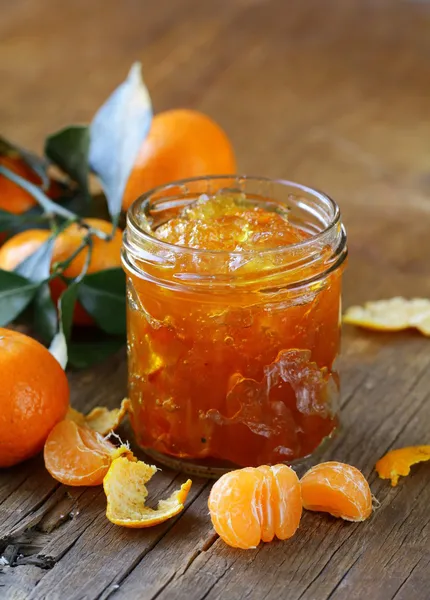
(77, 455)
(256, 504)
(391, 315)
(126, 494)
(100, 419)
(398, 462)
(338, 489)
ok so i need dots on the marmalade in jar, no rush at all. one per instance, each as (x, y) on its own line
(233, 325)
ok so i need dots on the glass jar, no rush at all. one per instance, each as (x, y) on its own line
(232, 354)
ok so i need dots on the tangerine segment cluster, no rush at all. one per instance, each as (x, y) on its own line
(338, 489)
(233, 376)
(256, 504)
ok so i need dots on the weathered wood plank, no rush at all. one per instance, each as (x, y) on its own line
(103, 553)
(331, 94)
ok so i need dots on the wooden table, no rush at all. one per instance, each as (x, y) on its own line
(333, 94)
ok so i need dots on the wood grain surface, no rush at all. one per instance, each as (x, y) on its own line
(332, 94)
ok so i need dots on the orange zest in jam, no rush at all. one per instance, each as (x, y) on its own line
(238, 371)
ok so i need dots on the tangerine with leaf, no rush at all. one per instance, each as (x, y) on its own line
(105, 254)
(181, 143)
(15, 199)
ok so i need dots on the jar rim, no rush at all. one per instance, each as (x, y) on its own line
(145, 236)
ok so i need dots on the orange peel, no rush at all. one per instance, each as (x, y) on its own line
(100, 419)
(79, 456)
(391, 315)
(398, 463)
(126, 493)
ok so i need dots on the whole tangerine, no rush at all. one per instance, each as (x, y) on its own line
(181, 143)
(34, 396)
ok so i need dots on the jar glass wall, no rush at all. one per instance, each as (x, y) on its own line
(232, 353)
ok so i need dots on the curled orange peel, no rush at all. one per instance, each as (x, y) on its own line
(398, 463)
(126, 493)
(391, 315)
(100, 419)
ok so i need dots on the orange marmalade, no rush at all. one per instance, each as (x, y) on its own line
(233, 288)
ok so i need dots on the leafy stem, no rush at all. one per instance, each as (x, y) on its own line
(52, 208)
(97, 232)
(108, 148)
(87, 261)
(59, 267)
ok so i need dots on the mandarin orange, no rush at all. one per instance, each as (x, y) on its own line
(181, 143)
(256, 504)
(34, 396)
(338, 489)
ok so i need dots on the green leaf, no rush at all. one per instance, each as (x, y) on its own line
(59, 350)
(60, 341)
(16, 293)
(8, 220)
(117, 132)
(45, 316)
(68, 149)
(79, 202)
(103, 296)
(37, 266)
(30, 219)
(89, 353)
(66, 307)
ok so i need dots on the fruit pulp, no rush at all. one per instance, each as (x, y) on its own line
(241, 373)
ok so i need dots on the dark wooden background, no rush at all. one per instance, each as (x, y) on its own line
(335, 94)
